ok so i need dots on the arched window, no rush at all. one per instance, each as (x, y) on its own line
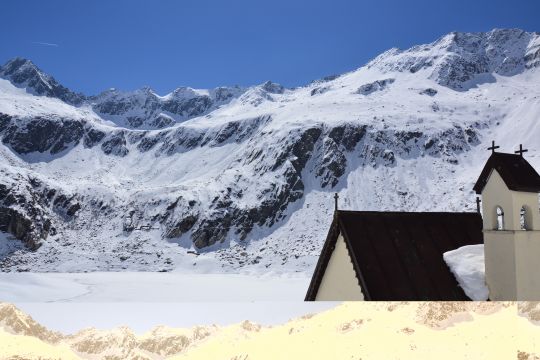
(524, 218)
(500, 219)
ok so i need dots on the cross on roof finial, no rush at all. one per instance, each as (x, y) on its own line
(521, 150)
(493, 147)
(336, 197)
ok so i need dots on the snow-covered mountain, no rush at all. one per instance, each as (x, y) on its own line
(17, 322)
(464, 60)
(406, 326)
(144, 109)
(24, 74)
(139, 109)
(243, 178)
(21, 335)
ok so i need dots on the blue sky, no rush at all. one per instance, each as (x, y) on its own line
(90, 46)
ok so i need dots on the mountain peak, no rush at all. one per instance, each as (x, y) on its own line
(16, 63)
(478, 41)
(272, 87)
(461, 60)
(146, 89)
(17, 322)
(19, 69)
(24, 73)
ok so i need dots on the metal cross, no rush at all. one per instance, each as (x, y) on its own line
(493, 147)
(336, 197)
(521, 150)
(478, 201)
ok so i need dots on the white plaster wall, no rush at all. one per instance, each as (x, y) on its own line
(527, 250)
(500, 264)
(339, 282)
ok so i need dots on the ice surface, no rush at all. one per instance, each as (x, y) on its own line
(149, 287)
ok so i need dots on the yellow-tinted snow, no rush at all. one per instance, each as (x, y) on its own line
(355, 330)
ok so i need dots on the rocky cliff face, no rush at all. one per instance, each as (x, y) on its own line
(25, 74)
(17, 322)
(245, 175)
(122, 343)
(282, 164)
(461, 60)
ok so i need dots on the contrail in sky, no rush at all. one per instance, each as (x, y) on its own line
(45, 43)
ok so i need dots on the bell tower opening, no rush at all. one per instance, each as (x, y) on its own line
(499, 220)
(525, 218)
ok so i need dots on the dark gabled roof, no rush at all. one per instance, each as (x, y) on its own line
(399, 255)
(517, 173)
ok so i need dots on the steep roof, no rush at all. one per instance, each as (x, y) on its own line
(399, 255)
(517, 173)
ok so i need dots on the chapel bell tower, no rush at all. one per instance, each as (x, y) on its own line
(509, 186)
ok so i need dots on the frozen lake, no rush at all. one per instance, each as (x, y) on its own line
(149, 287)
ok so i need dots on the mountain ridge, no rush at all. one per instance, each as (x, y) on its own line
(408, 325)
(247, 185)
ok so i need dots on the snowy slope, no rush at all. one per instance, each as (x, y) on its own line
(249, 184)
